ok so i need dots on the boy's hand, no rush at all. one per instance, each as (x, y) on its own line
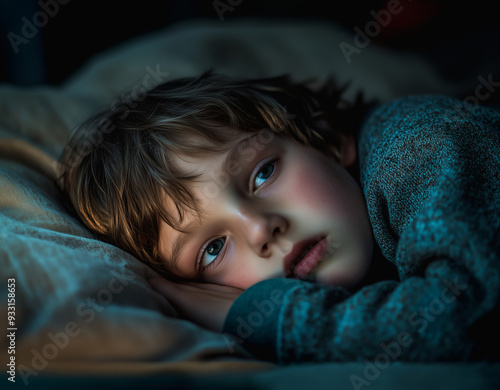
(203, 303)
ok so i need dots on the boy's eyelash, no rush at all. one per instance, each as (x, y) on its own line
(272, 160)
(199, 260)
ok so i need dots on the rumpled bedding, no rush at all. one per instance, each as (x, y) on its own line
(83, 308)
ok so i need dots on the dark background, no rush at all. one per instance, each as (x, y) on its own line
(81, 28)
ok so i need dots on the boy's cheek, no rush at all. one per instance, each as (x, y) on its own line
(308, 188)
(344, 272)
(248, 272)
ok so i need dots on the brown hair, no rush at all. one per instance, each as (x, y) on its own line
(117, 166)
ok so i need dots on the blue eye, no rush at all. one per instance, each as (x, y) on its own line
(264, 174)
(211, 252)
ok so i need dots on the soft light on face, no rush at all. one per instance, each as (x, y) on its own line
(263, 201)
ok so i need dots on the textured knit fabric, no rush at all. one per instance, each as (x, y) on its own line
(430, 173)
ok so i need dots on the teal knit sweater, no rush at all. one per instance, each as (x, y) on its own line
(430, 173)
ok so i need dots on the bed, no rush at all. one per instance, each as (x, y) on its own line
(84, 315)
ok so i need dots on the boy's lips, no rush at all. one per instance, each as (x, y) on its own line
(304, 256)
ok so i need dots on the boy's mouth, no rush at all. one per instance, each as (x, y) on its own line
(304, 257)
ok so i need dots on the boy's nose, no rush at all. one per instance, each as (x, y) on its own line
(264, 230)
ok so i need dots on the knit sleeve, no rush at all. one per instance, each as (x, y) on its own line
(430, 171)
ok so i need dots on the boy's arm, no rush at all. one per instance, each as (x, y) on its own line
(431, 175)
(420, 319)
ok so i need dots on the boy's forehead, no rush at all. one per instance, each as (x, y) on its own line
(208, 168)
(211, 161)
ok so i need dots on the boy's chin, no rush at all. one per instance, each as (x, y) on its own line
(329, 274)
(349, 280)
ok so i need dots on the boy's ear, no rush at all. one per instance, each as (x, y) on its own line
(348, 152)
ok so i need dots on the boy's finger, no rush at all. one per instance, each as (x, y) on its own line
(162, 285)
(213, 287)
(168, 287)
(172, 289)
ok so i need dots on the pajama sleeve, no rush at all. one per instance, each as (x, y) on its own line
(430, 172)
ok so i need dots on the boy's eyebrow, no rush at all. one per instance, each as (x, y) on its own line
(178, 246)
(235, 151)
(180, 243)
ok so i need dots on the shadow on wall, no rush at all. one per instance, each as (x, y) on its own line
(44, 41)
(24, 66)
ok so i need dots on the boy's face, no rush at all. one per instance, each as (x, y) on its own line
(274, 200)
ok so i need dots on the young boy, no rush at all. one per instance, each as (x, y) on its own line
(246, 195)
